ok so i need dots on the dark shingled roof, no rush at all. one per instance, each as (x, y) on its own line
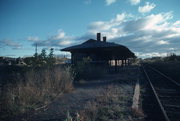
(91, 43)
(109, 49)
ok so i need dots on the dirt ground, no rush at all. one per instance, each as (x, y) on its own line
(113, 93)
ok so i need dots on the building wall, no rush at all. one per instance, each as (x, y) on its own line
(76, 56)
(99, 58)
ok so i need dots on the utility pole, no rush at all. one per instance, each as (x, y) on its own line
(36, 48)
(36, 51)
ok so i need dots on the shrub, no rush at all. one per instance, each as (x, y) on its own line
(87, 70)
(36, 88)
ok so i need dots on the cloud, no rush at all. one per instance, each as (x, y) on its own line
(58, 40)
(147, 34)
(34, 39)
(150, 35)
(153, 54)
(162, 42)
(146, 8)
(177, 23)
(10, 43)
(135, 2)
(60, 35)
(109, 2)
(87, 2)
(108, 28)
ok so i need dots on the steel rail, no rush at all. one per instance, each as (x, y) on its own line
(157, 98)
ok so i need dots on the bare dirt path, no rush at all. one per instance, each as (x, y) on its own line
(118, 86)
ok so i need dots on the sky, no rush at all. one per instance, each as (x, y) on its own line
(147, 27)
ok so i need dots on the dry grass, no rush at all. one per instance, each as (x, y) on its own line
(113, 101)
(37, 88)
(108, 106)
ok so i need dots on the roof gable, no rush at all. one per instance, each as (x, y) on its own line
(91, 43)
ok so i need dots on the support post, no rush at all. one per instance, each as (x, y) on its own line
(128, 62)
(122, 64)
(115, 65)
(72, 58)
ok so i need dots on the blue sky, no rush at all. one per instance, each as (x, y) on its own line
(148, 27)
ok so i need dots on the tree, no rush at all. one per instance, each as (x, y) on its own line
(43, 57)
(51, 54)
(35, 55)
(43, 54)
(51, 59)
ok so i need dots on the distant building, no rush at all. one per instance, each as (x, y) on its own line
(100, 52)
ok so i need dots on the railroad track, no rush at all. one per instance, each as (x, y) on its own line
(166, 92)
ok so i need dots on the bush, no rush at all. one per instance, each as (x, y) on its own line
(35, 89)
(87, 70)
(173, 57)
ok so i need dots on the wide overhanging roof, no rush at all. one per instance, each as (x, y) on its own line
(94, 45)
(91, 44)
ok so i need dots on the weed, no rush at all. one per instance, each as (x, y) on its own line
(35, 89)
(107, 106)
(69, 118)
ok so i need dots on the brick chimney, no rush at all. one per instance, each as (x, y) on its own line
(98, 36)
(104, 39)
